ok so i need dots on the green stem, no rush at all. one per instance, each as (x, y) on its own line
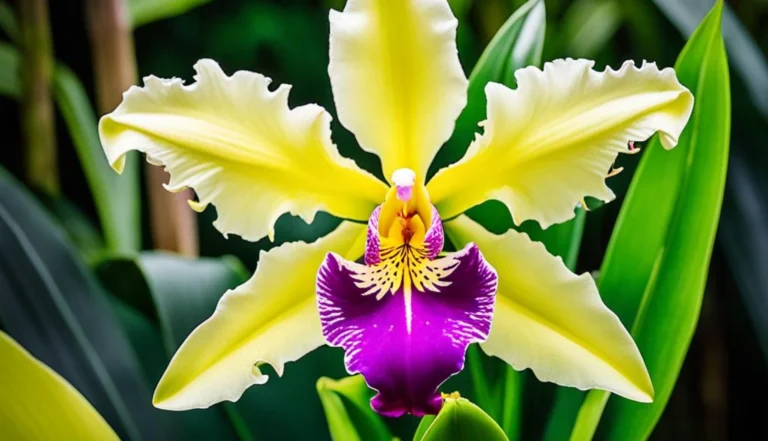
(511, 411)
(589, 416)
(479, 384)
(37, 115)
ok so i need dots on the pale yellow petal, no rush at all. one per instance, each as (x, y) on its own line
(553, 321)
(552, 141)
(272, 318)
(36, 404)
(396, 77)
(241, 148)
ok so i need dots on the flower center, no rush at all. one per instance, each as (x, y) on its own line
(406, 236)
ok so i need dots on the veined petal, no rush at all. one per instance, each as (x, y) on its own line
(240, 147)
(272, 318)
(553, 321)
(396, 77)
(552, 141)
(407, 343)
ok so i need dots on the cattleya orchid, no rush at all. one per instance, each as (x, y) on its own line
(406, 314)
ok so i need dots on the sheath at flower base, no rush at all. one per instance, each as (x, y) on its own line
(405, 315)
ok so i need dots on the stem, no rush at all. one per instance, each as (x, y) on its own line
(511, 411)
(173, 224)
(37, 115)
(479, 383)
(589, 415)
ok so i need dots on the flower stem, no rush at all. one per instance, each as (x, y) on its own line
(173, 223)
(479, 384)
(510, 410)
(37, 114)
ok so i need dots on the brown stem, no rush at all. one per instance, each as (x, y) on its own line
(37, 115)
(173, 223)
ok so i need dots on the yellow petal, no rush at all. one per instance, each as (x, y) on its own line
(240, 147)
(551, 142)
(272, 318)
(36, 404)
(553, 321)
(396, 77)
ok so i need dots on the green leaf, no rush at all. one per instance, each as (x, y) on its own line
(588, 25)
(178, 292)
(517, 44)
(116, 196)
(53, 306)
(348, 410)
(197, 424)
(748, 59)
(460, 420)
(36, 404)
(655, 269)
(81, 232)
(424, 424)
(147, 11)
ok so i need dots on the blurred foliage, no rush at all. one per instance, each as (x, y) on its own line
(112, 336)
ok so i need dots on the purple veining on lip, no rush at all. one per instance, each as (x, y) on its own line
(373, 242)
(433, 239)
(406, 368)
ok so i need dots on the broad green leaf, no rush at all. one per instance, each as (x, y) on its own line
(116, 196)
(178, 292)
(748, 59)
(54, 307)
(81, 231)
(460, 420)
(348, 410)
(144, 335)
(36, 404)
(147, 11)
(656, 265)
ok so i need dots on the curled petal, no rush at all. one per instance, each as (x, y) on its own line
(551, 142)
(241, 148)
(272, 318)
(407, 344)
(396, 77)
(553, 321)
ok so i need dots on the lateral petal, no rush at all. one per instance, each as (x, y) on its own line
(553, 321)
(241, 148)
(396, 77)
(272, 318)
(552, 141)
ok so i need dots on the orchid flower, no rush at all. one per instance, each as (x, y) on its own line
(403, 311)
